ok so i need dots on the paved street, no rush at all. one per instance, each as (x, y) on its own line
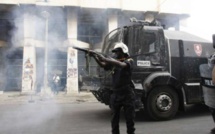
(62, 97)
(51, 116)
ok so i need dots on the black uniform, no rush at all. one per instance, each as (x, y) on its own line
(213, 113)
(209, 90)
(123, 97)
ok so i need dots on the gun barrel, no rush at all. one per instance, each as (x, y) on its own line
(80, 49)
(85, 50)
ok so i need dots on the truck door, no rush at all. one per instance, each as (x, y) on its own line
(189, 72)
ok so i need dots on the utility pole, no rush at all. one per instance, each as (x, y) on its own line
(46, 15)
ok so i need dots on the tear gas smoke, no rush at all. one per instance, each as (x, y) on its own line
(28, 116)
(29, 25)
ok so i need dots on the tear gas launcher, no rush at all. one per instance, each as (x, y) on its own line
(87, 51)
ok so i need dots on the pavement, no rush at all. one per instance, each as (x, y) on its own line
(61, 97)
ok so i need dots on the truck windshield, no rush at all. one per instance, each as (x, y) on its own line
(110, 39)
(143, 44)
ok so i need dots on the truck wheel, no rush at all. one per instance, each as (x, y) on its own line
(162, 103)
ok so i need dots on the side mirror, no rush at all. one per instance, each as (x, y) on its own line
(213, 39)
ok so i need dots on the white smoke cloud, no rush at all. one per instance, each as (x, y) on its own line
(28, 116)
(201, 21)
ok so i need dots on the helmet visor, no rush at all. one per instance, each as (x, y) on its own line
(116, 50)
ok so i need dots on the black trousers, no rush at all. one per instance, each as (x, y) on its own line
(54, 88)
(213, 113)
(127, 102)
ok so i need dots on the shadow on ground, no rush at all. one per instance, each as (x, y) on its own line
(192, 111)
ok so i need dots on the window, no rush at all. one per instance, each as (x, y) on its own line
(90, 32)
(145, 46)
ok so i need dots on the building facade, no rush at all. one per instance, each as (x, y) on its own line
(36, 36)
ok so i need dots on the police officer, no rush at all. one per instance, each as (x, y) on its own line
(213, 109)
(123, 94)
(211, 62)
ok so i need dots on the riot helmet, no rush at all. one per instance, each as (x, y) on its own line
(122, 46)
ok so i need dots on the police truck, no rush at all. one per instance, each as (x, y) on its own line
(166, 68)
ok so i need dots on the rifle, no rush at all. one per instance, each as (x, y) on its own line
(87, 56)
(86, 51)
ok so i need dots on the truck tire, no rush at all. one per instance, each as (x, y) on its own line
(162, 103)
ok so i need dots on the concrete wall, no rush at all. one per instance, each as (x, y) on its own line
(166, 6)
(72, 54)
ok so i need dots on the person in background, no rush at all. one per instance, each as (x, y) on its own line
(123, 95)
(56, 83)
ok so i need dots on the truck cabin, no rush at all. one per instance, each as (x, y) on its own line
(143, 42)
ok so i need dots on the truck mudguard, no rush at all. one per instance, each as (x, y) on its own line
(160, 78)
(164, 79)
